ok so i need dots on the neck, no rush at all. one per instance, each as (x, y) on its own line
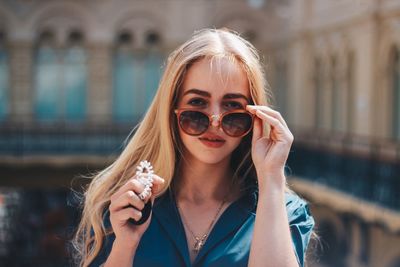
(199, 183)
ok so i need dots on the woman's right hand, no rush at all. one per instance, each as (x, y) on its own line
(125, 205)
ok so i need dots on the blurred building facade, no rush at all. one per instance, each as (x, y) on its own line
(76, 77)
(341, 63)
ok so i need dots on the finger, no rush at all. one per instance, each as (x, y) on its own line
(157, 180)
(127, 199)
(272, 121)
(135, 185)
(125, 214)
(269, 111)
(131, 185)
(279, 128)
(257, 129)
(147, 197)
(157, 184)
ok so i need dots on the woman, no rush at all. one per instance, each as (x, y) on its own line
(219, 194)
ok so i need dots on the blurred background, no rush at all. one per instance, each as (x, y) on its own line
(77, 75)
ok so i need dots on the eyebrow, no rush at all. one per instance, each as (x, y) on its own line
(198, 92)
(207, 94)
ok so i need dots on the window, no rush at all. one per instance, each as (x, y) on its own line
(154, 60)
(47, 79)
(281, 87)
(4, 78)
(319, 101)
(123, 93)
(136, 75)
(75, 77)
(60, 78)
(395, 72)
(336, 110)
(350, 92)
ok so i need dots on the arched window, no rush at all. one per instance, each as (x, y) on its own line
(75, 77)
(60, 78)
(281, 87)
(319, 100)
(335, 95)
(123, 78)
(136, 75)
(47, 79)
(350, 92)
(395, 72)
(4, 78)
(154, 60)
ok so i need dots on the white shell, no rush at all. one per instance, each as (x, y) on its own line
(145, 178)
(144, 165)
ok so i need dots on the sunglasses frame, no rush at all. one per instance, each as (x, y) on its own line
(220, 117)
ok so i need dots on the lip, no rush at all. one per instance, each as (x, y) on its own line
(220, 141)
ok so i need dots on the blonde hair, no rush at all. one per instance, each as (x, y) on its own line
(156, 137)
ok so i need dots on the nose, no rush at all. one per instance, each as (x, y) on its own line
(215, 120)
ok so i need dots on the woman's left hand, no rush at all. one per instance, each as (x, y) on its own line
(269, 153)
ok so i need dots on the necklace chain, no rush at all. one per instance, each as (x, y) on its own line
(201, 240)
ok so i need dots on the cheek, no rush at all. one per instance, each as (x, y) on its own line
(185, 138)
(235, 142)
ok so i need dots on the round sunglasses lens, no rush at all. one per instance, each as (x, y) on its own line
(193, 122)
(236, 124)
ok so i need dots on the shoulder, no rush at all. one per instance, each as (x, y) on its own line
(301, 224)
(297, 209)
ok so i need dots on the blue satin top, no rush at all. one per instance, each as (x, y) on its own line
(164, 242)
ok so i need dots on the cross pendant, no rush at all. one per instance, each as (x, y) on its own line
(199, 243)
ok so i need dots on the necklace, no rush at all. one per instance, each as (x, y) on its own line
(200, 240)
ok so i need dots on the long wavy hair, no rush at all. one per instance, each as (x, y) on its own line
(156, 137)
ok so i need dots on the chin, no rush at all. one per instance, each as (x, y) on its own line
(212, 159)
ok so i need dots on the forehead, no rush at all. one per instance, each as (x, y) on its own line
(217, 76)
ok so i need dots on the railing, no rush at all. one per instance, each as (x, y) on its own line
(367, 177)
(63, 138)
(357, 166)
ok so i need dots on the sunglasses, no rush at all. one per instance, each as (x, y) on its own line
(235, 123)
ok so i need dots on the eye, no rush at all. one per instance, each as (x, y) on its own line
(196, 102)
(234, 105)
